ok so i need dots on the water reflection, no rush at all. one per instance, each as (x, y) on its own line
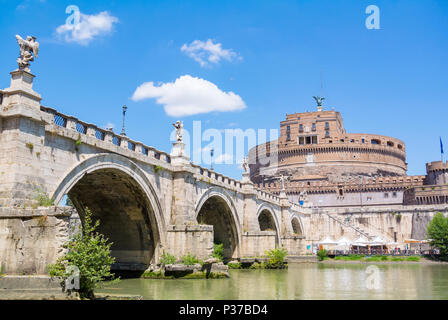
(301, 281)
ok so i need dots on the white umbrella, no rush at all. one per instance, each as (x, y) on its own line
(343, 244)
(360, 242)
(377, 242)
(327, 241)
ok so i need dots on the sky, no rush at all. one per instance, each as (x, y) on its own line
(239, 65)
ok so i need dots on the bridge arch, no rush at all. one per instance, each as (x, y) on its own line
(267, 221)
(121, 196)
(297, 226)
(215, 207)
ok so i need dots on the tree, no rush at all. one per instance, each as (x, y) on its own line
(437, 231)
(88, 251)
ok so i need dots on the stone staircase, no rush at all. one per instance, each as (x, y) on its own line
(357, 229)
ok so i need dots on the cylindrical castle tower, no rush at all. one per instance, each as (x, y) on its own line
(314, 146)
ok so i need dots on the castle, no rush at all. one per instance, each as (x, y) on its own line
(328, 167)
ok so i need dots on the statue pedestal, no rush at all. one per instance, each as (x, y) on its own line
(178, 155)
(246, 178)
(20, 99)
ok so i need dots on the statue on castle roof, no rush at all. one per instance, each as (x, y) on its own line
(179, 125)
(28, 48)
(319, 100)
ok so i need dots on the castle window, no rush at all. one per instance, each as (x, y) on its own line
(375, 141)
(352, 140)
(394, 194)
(342, 140)
(301, 140)
(314, 139)
(386, 195)
(400, 146)
(327, 126)
(288, 136)
(300, 127)
(327, 134)
(363, 140)
(341, 192)
(390, 144)
(308, 140)
(313, 127)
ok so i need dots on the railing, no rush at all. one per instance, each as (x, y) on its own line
(84, 128)
(212, 176)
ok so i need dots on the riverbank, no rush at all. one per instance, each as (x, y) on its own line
(366, 260)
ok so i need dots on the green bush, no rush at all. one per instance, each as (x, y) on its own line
(276, 258)
(322, 254)
(257, 265)
(218, 251)
(90, 252)
(167, 258)
(189, 260)
(43, 199)
(236, 265)
(437, 231)
(413, 258)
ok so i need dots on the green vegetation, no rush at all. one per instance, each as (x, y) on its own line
(437, 231)
(43, 200)
(350, 257)
(276, 258)
(190, 260)
(167, 258)
(322, 254)
(233, 265)
(218, 251)
(90, 252)
(258, 265)
(30, 146)
(375, 258)
(157, 168)
(2, 273)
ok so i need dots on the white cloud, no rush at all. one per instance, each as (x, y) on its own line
(88, 27)
(224, 158)
(208, 52)
(188, 96)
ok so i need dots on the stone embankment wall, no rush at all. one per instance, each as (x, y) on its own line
(392, 223)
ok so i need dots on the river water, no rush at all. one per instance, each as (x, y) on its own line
(302, 281)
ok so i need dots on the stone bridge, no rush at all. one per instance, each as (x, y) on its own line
(148, 201)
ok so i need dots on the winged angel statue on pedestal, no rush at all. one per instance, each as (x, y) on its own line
(28, 48)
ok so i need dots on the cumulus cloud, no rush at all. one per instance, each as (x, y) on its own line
(189, 95)
(88, 28)
(208, 52)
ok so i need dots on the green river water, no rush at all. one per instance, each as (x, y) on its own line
(302, 281)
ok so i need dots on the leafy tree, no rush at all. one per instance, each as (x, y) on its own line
(276, 258)
(89, 251)
(437, 231)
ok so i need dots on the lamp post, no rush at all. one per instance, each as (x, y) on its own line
(212, 151)
(123, 132)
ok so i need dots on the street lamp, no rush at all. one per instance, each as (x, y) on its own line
(123, 133)
(212, 151)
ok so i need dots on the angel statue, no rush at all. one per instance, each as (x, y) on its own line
(319, 100)
(282, 179)
(27, 47)
(245, 165)
(179, 125)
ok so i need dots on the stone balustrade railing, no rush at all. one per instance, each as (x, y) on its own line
(212, 176)
(109, 136)
(325, 186)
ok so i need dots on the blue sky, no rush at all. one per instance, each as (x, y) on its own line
(391, 81)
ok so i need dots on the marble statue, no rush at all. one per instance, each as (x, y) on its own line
(28, 48)
(179, 125)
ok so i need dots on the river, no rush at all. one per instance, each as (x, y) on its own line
(302, 281)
